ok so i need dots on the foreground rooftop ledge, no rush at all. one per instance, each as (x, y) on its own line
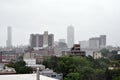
(24, 77)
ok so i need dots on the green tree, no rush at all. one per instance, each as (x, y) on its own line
(87, 73)
(73, 76)
(116, 78)
(105, 52)
(20, 67)
(99, 74)
(86, 68)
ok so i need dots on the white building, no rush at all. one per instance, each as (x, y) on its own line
(84, 44)
(30, 61)
(70, 36)
(89, 52)
(9, 37)
(94, 43)
(97, 55)
(118, 52)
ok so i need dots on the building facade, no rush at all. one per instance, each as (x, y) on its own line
(84, 44)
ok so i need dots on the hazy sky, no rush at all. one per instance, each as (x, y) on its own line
(90, 18)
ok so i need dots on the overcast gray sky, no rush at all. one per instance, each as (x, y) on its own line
(90, 18)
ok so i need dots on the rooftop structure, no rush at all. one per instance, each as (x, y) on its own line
(75, 50)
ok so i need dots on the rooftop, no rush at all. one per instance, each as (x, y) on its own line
(24, 77)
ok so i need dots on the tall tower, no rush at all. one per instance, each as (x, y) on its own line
(9, 37)
(51, 40)
(70, 36)
(102, 41)
(45, 39)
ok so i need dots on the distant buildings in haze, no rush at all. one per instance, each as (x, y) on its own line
(62, 40)
(94, 43)
(97, 42)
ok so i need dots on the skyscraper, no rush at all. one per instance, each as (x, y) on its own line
(102, 41)
(97, 42)
(50, 40)
(70, 36)
(45, 39)
(42, 40)
(9, 37)
(94, 43)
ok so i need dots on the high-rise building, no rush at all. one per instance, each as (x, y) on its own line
(45, 39)
(33, 40)
(70, 36)
(84, 44)
(9, 37)
(102, 41)
(50, 40)
(42, 40)
(94, 43)
(97, 42)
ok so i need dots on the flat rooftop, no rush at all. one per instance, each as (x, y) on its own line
(24, 77)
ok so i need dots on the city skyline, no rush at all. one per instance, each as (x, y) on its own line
(55, 39)
(90, 18)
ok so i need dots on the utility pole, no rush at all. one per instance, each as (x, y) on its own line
(38, 76)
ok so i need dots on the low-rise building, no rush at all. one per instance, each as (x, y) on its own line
(7, 56)
(75, 50)
(96, 55)
(50, 73)
(38, 54)
(30, 60)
